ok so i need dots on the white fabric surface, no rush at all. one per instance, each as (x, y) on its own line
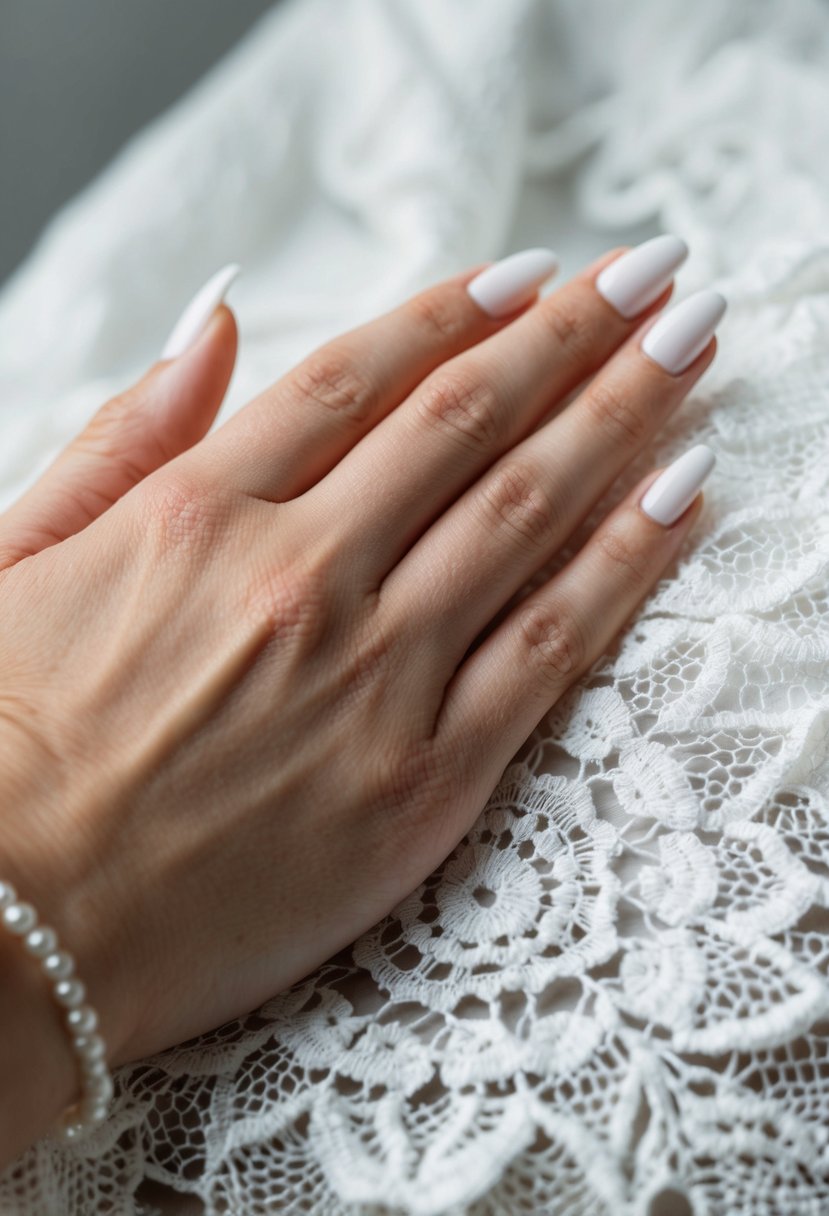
(615, 989)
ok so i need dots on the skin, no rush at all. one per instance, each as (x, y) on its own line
(254, 687)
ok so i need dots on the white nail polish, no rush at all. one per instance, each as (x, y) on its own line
(677, 486)
(639, 277)
(198, 312)
(678, 337)
(505, 286)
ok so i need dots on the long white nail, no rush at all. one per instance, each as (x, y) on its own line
(677, 338)
(677, 486)
(508, 284)
(639, 277)
(198, 312)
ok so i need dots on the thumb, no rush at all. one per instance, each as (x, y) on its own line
(135, 433)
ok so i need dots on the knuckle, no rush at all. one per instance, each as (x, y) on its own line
(464, 407)
(572, 327)
(554, 642)
(420, 785)
(331, 379)
(439, 312)
(516, 498)
(617, 413)
(627, 559)
(398, 780)
(371, 659)
(292, 602)
(180, 513)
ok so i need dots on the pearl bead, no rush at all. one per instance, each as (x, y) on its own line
(100, 1095)
(59, 965)
(70, 1131)
(19, 918)
(94, 1068)
(103, 1086)
(82, 1021)
(97, 1112)
(90, 1046)
(69, 993)
(8, 895)
(40, 941)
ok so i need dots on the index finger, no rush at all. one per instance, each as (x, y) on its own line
(295, 432)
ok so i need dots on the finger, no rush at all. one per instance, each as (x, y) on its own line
(551, 638)
(283, 442)
(421, 458)
(165, 413)
(490, 542)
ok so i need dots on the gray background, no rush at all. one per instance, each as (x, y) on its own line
(77, 77)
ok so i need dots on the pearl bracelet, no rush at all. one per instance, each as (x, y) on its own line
(81, 1020)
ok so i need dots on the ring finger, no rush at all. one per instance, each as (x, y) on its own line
(547, 642)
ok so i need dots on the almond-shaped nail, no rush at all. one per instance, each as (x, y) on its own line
(198, 312)
(506, 285)
(677, 486)
(637, 278)
(681, 334)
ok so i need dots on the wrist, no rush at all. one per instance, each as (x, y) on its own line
(41, 858)
(40, 1075)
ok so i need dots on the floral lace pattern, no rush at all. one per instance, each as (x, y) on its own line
(612, 998)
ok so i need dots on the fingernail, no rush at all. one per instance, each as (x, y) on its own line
(677, 338)
(198, 312)
(677, 487)
(639, 277)
(508, 284)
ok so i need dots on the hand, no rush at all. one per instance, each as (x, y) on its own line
(250, 689)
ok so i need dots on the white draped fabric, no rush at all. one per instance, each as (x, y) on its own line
(612, 999)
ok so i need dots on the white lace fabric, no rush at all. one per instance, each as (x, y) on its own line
(612, 999)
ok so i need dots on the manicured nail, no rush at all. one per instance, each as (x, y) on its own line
(678, 337)
(198, 312)
(639, 277)
(508, 284)
(677, 486)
